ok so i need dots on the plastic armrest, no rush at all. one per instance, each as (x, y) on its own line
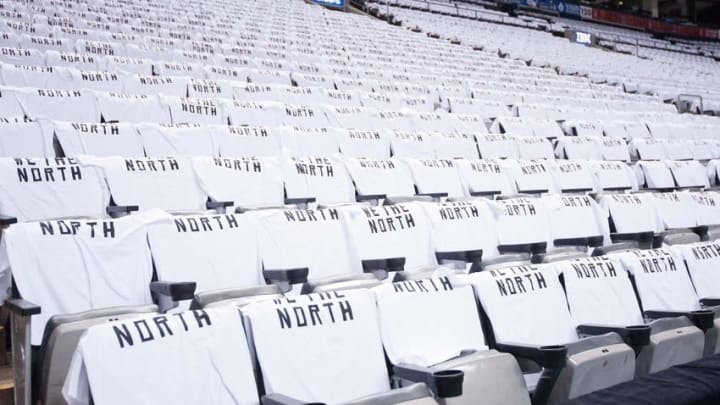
(433, 195)
(538, 191)
(290, 276)
(553, 357)
(489, 194)
(704, 319)
(623, 188)
(306, 200)
(710, 302)
(467, 256)
(635, 336)
(279, 399)
(213, 205)
(369, 197)
(117, 210)
(443, 383)
(577, 190)
(532, 248)
(6, 220)
(388, 264)
(633, 236)
(22, 307)
(177, 291)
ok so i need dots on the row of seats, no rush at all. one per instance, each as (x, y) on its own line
(509, 294)
(34, 189)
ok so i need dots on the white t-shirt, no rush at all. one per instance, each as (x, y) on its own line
(255, 113)
(702, 260)
(497, 146)
(530, 175)
(661, 279)
(185, 110)
(630, 213)
(361, 143)
(79, 138)
(655, 174)
(599, 292)
(246, 181)
(164, 183)
(390, 231)
(672, 210)
(325, 179)
(411, 144)
(484, 175)
(463, 226)
(24, 139)
(453, 145)
(408, 308)
(571, 175)
(307, 141)
(688, 173)
(525, 304)
(333, 337)
(154, 85)
(575, 216)
(214, 250)
(578, 147)
(151, 354)
(62, 105)
(613, 175)
(177, 140)
(123, 107)
(520, 221)
(614, 149)
(236, 141)
(389, 177)
(70, 266)
(534, 148)
(33, 189)
(311, 238)
(436, 176)
(706, 205)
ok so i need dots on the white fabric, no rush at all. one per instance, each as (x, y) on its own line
(484, 175)
(177, 140)
(530, 175)
(571, 175)
(453, 145)
(647, 149)
(614, 149)
(534, 148)
(574, 216)
(463, 226)
(497, 146)
(98, 139)
(672, 210)
(237, 141)
(436, 176)
(411, 144)
(390, 231)
(215, 251)
(661, 279)
(153, 85)
(311, 238)
(308, 141)
(706, 205)
(415, 324)
(131, 108)
(525, 304)
(630, 213)
(520, 220)
(146, 357)
(360, 143)
(24, 139)
(325, 179)
(688, 173)
(65, 105)
(389, 177)
(164, 183)
(242, 112)
(613, 175)
(656, 174)
(338, 348)
(703, 262)
(578, 147)
(34, 189)
(70, 266)
(599, 292)
(245, 181)
(185, 110)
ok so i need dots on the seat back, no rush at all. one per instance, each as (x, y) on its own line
(358, 143)
(435, 176)
(388, 177)
(484, 177)
(662, 280)
(116, 139)
(337, 332)
(70, 266)
(325, 179)
(629, 213)
(575, 217)
(197, 248)
(390, 231)
(61, 338)
(177, 140)
(211, 341)
(520, 221)
(37, 189)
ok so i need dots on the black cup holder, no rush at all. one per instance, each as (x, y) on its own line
(703, 319)
(638, 335)
(554, 356)
(448, 383)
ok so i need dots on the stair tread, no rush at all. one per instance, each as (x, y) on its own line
(6, 378)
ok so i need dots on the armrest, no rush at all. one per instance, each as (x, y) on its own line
(22, 307)
(703, 319)
(177, 291)
(444, 383)
(489, 194)
(290, 276)
(635, 336)
(279, 399)
(467, 256)
(590, 241)
(433, 195)
(633, 236)
(387, 264)
(6, 220)
(214, 205)
(369, 197)
(538, 191)
(577, 190)
(553, 357)
(710, 302)
(532, 248)
(117, 210)
(307, 200)
(625, 188)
